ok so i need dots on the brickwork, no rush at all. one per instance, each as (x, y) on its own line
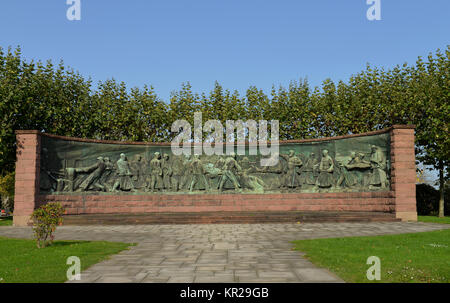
(27, 176)
(90, 204)
(403, 172)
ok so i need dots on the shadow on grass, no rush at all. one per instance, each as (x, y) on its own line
(66, 243)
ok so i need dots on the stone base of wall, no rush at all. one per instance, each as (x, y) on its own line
(110, 204)
(21, 220)
(229, 217)
(406, 215)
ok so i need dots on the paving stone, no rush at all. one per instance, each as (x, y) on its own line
(107, 268)
(204, 273)
(109, 279)
(155, 280)
(225, 245)
(227, 279)
(241, 274)
(140, 276)
(276, 274)
(316, 275)
(212, 261)
(181, 279)
(176, 271)
(266, 280)
(215, 252)
(210, 268)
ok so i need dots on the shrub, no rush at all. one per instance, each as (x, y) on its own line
(45, 219)
(427, 198)
(7, 191)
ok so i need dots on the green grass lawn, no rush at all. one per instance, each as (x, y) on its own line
(22, 262)
(6, 221)
(434, 219)
(418, 257)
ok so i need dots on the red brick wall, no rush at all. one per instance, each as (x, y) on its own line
(27, 175)
(401, 199)
(89, 204)
(403, 172)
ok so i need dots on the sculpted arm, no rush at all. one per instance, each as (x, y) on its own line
(285, 157)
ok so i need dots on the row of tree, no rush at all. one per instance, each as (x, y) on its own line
(54, 99)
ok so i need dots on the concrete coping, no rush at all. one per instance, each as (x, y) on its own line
(371, 133)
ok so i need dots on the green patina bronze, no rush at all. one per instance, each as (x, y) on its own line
(343, 165)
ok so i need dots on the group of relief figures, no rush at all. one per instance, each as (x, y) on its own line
(169, 173)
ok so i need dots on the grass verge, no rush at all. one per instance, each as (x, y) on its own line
(417, 257)
(22, 262)
(8, 221)
(434, 219)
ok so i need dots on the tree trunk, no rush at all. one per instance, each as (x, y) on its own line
(441, 189)
(5, 202)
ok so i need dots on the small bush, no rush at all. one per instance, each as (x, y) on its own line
(7, 192)
(45, 220)
(427, 198)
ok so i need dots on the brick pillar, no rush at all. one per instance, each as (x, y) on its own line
(403, 172)
(27, 175)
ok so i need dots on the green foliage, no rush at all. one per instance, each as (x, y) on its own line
(431, 89)
(7, 191)
(45, 219)
(58, 100)
(427, 198)
(8, 221)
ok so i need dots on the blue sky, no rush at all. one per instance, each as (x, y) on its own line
(236, 42)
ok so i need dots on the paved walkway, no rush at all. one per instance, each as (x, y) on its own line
(216, 253)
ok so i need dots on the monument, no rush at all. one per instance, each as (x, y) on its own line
(350, 165)
(362, 172)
